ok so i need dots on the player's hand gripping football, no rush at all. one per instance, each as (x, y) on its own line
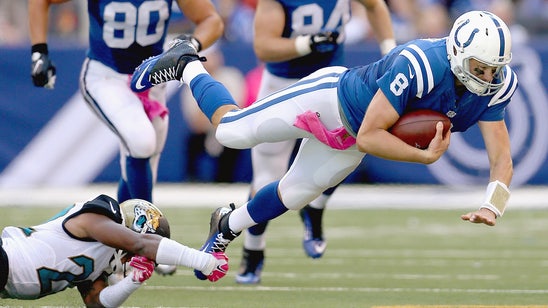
(481, 216)
(142, 268)
(220, 269)
(324, 41)
(439, 144)
(42, 70)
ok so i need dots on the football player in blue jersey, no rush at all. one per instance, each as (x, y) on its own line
(342, 114)
(76, 248)
(121, 35)
(294, 39)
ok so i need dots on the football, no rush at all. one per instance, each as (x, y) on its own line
(418, 127)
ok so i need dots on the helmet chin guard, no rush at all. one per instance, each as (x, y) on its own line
(484, 37)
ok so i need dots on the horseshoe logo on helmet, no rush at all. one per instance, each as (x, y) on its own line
(470, 39)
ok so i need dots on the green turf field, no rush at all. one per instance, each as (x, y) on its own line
(375, 258)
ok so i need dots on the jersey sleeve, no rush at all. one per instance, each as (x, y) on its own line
(397, 83)
(497, 105)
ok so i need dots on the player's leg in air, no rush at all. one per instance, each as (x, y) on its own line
(270, 120)
(270, 162)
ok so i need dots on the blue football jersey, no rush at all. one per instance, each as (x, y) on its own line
(417, 75)
(310, 17)
(124, 33)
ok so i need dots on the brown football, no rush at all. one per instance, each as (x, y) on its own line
(418, 127)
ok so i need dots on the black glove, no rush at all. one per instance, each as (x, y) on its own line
(192, 39)
(324, 41)
(42, 69)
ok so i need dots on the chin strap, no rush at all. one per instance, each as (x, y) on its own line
(496, 197)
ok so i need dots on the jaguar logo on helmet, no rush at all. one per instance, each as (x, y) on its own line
(484, 37)
(141, 216)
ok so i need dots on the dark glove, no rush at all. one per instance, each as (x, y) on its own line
(324, 41)
(192, 39)
(42, 69)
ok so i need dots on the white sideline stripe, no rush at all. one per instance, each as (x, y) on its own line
(343, 289)
(351, 196)
(72, 148)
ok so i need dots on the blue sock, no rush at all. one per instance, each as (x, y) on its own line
(257, 229)
(139, 178)
(210, 94)
(266, 205)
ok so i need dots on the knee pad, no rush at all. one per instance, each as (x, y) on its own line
(296, 196)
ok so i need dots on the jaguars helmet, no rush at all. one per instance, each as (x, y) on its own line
(482, 36)
(144, 217)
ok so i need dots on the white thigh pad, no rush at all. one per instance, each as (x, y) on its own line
(316, 168)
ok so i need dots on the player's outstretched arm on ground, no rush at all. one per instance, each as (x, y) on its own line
(116, 295)
(152, 246)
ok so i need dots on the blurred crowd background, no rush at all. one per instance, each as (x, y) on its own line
(411, 19)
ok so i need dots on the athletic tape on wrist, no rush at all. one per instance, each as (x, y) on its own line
(387, 45)
(496, 197)
(302, 45)
(196, 43)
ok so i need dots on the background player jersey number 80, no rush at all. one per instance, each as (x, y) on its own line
(125, 23)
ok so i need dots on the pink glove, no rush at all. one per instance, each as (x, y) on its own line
(221, 268)
(142, 268)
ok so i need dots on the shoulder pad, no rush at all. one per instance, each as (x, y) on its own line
(507, 90)
(104, 205)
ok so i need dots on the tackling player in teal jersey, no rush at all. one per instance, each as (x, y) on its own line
(87, 246)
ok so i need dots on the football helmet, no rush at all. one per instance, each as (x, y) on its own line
(142, 216)
(484, 37)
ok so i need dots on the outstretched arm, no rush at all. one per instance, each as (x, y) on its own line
(152, 246)
(497, 143)
(100, 294)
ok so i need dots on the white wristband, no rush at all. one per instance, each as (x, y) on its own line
(302, 45)
(496, 197)
(387, 45)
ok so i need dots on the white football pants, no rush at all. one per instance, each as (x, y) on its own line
(108, 94)
(316, 166)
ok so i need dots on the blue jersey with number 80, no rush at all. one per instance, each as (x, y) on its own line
(124, 33)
